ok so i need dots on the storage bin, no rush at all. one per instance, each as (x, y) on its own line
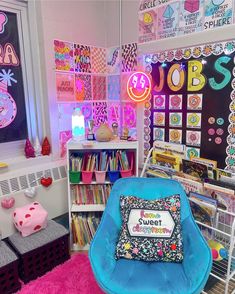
(100, 176)
(87, 177)
(126, 173)
(42, 251)
(9, 280)
(74, 177)
(113, 175)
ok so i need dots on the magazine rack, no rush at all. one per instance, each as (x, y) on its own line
(222, 276)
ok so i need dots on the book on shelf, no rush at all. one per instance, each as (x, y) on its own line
(76, 162)
(208, 162)
(90, 194)
(225, 200)
(170, 148)
(157, 174)
(195, 169)
(225, 182)
(168, 154)
(204, 210)
(84, 226)
(155, 170)
(189, 185)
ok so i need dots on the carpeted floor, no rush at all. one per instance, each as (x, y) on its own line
(76, 277)
(73, 277)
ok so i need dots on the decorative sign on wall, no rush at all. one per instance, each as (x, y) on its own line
(113, 60)
(191, 16)
(82, 58)
(138, 86)
(64, 87)
(218, 13)
(63, 55)
(193, 101)
(147, 28)
(13, 123)
(89, 77)
(159, 19)
(168, 17)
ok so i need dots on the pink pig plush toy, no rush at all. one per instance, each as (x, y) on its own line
(30, 218)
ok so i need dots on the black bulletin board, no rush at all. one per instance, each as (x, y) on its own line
(216, 129)
(13, 123)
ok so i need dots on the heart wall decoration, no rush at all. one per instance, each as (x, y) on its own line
(30, 192)
(46, 182)
(8, 202)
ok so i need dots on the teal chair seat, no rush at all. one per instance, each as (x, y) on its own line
(139, 277)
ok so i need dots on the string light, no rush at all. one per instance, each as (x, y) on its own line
(204, 61)
(148, 59)
(227, 51)
(182, 66)
(164, 64)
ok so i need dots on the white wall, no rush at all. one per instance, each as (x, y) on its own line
(75, 21)
(82, 21)
(129, 21)
(112, 29)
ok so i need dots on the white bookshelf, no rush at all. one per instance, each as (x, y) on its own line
(82, 147)
(87, 207)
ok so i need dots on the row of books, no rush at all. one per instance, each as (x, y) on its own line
(102, 161)
(84, 227)
(214, 190)
(205, 211)
(75, 163)
(90, 194)
(173, 156)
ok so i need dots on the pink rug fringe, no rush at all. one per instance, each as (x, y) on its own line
(75, 276)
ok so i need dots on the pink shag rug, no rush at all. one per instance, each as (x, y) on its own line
(75, 276)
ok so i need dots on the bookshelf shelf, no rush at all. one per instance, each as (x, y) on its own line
(92, 183)
(76, 247)
(86, 201)
(87, 207)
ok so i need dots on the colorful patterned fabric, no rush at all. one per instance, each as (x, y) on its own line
(129, 57)
(151, 230)
(99, 87)
(98, 60)
(83, 87)
(100, 113)
(82, 58)
(114, 87)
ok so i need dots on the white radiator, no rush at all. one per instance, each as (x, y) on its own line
(53, 198)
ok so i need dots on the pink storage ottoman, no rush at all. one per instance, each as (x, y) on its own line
(30, 218)
(41, 251)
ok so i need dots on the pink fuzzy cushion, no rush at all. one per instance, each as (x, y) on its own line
(30, 218)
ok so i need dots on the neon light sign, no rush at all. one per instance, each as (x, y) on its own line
(138, 86)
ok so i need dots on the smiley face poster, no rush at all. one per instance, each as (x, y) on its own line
(193, 101)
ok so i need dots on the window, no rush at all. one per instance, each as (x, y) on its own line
(20, 110)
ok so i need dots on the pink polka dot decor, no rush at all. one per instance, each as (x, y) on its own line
(30, 218)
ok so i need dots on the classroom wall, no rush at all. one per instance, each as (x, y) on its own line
(112, 29)
(129, 34)
(75, 21)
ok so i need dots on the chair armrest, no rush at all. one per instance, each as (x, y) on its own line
(197, 261)
(103, 246)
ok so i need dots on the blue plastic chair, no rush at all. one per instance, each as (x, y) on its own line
(125, 276)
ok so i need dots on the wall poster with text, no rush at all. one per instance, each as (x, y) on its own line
(193, 101)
